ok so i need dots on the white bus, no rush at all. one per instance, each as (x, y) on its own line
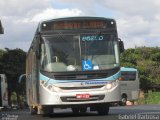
(129, 85)
(74, 62)
(3, 91)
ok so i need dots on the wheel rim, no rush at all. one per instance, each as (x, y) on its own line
(124, 100)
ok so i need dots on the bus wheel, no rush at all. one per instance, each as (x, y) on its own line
(123, 100)
(47, 110)
(103, 109)
(33, 111)
(75, 110)
(83, 110)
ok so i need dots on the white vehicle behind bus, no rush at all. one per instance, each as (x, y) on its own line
(3, 91)
(129, 85)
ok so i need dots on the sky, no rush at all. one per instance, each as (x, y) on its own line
(138, 21)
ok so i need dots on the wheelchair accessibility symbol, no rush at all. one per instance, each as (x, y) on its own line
(86, 65)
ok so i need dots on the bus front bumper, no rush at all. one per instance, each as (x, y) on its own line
(70, 97)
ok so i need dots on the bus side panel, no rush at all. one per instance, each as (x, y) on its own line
(32, 79)
(130, 88)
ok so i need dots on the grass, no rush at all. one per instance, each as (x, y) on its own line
(150, 98)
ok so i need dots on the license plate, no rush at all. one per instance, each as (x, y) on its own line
(82, 96)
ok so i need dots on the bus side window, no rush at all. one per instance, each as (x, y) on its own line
(128, 76)
(132, 76)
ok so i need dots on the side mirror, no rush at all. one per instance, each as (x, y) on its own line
(1, 28)
(20, 78)
(121, 45)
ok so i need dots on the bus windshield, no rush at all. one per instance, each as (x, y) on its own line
(62, 53)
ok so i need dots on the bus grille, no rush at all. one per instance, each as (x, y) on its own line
(74, 99)
(79, 88)
(81, 76)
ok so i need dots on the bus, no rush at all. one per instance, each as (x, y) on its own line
(74, 63)
(3, 91)
(130, 86)
(1, 28)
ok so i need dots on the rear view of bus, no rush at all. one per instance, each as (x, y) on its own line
(74, 62)
(129, 85)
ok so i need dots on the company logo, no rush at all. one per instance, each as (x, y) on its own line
(93, 82)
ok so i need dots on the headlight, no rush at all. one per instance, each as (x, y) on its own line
(50, 87)
(108, 86)
(111, 84)
(55, 89)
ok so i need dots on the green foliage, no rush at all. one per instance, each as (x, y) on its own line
(147, 61)
(12, 63)
(150, 98)
(153, 98)
(14, 97)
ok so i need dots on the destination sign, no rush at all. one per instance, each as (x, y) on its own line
(76, 24)
(79, 25)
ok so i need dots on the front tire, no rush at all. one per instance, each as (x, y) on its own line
(83, 110)
(75, 110)
(123, 100)
(103, 109)
(47, 110)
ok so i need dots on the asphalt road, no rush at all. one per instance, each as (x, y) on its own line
(140, 112)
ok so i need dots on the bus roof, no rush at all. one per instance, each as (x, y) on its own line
(128, 69)
(77, 18)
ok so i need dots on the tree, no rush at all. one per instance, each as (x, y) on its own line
(146, 60)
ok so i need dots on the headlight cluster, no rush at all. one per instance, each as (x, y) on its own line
(49, 87)
(111, 85)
